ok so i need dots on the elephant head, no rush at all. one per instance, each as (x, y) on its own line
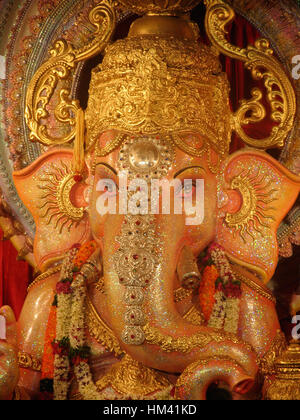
(243, 204)
(158, 115)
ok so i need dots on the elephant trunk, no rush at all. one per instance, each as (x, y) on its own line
(155, 333)
(194, 382)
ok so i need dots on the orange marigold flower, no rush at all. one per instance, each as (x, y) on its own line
(84, 253)
(207, 290)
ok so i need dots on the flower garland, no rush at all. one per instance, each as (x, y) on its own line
(220, 291)
(61, 344)
(69, 344)
(219, 296)
(207, 290)
(80, 354)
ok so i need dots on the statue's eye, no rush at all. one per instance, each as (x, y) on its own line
(108, 186)
(188, 189)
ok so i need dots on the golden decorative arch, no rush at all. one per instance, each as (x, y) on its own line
(264, 66)
(63, 60)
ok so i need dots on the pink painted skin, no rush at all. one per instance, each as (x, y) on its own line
(9, 373)
(256, 313)
(160, 308)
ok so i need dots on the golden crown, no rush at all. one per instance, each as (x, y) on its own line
(153, 85)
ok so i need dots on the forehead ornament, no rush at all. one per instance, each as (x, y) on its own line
(143, 156)
(150, 157)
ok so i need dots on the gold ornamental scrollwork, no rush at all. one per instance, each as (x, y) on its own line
(153, 85)
(267, 364)
(100, 331)
(170, 344)
(264, 66)
(59, 67)
(55, 202)
(168, 7)
(254, 213)
(131, 377)
(286, 383)
(26, 361)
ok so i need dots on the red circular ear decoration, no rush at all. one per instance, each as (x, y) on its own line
(234, 201)
(77, 178)
(77, 194)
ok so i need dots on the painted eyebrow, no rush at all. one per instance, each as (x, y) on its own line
(185, 169)
(108, 167)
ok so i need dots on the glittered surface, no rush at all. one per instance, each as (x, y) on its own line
(157, 319)
(267, 192)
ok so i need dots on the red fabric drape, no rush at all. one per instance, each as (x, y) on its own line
(242, 34)
(14, 277)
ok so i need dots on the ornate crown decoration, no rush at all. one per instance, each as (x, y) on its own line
(160, 85)
(160, 80)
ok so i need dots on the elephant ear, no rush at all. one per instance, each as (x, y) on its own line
(260, 193)
(48, 190)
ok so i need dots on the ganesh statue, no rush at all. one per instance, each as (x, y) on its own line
(154, 243)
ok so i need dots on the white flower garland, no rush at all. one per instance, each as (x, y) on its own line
(226, 310)
(71, 325)
(72, 309)
(86, 385)
(231, 323)
(64, 302)
(216, 319)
